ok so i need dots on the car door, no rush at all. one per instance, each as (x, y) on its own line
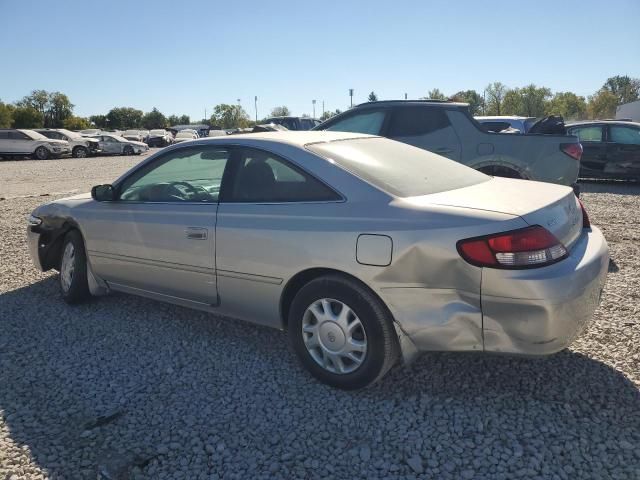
(623, 150)
(20, 142)
(269, 212)
(425, 127)
(5, 142)
(594, 154)
(158, 236)
(110, 145)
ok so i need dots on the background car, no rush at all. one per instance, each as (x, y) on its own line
(500, 123)
(294, 123)
(117, 145)
(364, 249)
(611, 149)
(81, 147)
(159, 138)
(90, 132)
(18, 142)
(135, 135)
(184, 135)
(448, 129)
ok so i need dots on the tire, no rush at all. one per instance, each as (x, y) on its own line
(74, 286)
(500, 171)
(128, 150)
(41, 153)
(80, 152)
(369, 322)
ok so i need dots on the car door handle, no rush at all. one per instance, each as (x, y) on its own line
(196, 233)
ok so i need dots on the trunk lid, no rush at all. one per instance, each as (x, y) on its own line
(554, 207)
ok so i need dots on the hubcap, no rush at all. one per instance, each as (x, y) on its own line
(41, 153)
(81, 153)
(67, 266)
(334, 336)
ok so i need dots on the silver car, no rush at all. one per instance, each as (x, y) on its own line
(117, 145)
(366, 250)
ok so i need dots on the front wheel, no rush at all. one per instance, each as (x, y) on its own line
(41, 153)
(73, 269)
(80, 152)
(128, 150)
(342, 333)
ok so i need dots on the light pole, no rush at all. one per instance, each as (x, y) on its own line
(351, 95)
(405, 96)
(255, 100)
(313, 102)
(323, 108)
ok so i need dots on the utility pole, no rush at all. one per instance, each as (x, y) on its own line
(205, 113)
(323, 108)
(313, 102)
(351, 95)
(405, 96)
(255, 100)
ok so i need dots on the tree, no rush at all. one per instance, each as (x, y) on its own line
(124, 117)
(495, 93)
(185, 120)
(76, 123)
(173, 120)
(435, 94)
(529, 101)
(280, 112)
(512, 102)
(27, 117)
(373, 97)
(230, 116)
(473, 98)
(60, 108)
(625, 88)
(567, 104)
(38, 100)
(328, 114)
(6, 115)
(153, 119)
(603, 104)
(99, 121)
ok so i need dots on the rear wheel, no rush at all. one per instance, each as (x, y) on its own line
(500, 171)
(73, 269)
(128, 150)
(41, 153)
(342, 333)
(80, 152)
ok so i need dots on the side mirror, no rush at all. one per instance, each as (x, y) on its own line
(103, 193)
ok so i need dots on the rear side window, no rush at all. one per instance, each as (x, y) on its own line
(587, 134)
(397, 168)
(366, 122)
(412, 121)
(16, 135)
(263, 177)
(625, 135)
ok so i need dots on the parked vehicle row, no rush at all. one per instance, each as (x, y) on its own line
(81, 147)
(17, 142)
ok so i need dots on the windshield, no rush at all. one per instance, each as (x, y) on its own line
(69, 133)
(35, 135)
(397, 168)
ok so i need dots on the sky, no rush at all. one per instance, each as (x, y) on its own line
(185, 57)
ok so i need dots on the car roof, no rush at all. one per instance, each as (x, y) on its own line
(291, 137)
(392, 103)
(603, 122)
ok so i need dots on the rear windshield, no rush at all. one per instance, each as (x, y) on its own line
(397, 168)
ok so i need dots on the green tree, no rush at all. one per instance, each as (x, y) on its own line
(495, 93)
(280, 112)
(60, 108)
(76, 123)
(37, 99)
(473, 98)
(173, 120)
(185, 120)
(435, 94)
(625, 88)
(567, 104)
(124, 117)
(154, 119)
(529, 101)
(602, 105)
(27, 117)
(328, 114)
(512, 103)
(373, 97)
(6, 115)
(100, 121)
(229, 116)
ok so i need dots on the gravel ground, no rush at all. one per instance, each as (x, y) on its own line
(130, 388)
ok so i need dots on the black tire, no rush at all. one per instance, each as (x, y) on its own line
(80, 152)
(77, 289)
(500, 171)
(382, 342)
(41, 153)
(128, 150)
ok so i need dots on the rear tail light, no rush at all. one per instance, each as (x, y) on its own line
(525, 248)
(586, 223)
(574, 150)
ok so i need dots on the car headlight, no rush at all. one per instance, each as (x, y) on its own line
(33, 221)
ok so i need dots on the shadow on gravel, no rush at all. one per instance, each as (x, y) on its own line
(618, 187)
(126, 385)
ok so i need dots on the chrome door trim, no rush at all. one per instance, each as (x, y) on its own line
(152, 263)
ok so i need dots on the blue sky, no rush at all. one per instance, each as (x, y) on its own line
(183, 57)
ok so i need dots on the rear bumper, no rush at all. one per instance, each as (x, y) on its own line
(541, 311)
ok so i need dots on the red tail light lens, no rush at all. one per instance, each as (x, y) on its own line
(525, 248)
(574, 150)
(586, 223)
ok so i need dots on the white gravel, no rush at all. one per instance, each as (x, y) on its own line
(130, 388)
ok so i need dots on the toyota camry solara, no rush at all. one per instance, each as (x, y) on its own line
(365, 250)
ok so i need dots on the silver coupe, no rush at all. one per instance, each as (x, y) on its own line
(366, 250)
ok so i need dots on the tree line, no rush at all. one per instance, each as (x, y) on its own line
(54, 109)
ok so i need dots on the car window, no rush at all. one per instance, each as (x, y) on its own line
(185, 175)
(412, 121)
(625, 135)
(365, 122)
(495, 126)
(16, 135)
(289, 123)
(263, 177)
(397, 168)
(587, 134)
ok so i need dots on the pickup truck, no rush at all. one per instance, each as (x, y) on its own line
(448, 129)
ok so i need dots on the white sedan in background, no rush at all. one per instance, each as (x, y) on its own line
(184, 135)
(117, 145)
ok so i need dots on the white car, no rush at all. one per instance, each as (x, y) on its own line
(90, 132)
(135, 135)
(117, 145)
(18, 142)
(184, 135)
(81, 147)
(159, 138)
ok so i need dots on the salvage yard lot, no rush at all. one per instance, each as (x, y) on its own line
(130, 386)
